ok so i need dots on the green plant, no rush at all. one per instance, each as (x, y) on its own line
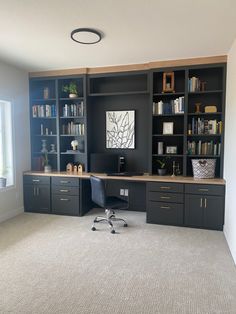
(71, 88)
(163, 162)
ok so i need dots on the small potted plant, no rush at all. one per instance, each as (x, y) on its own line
(71, 89)
(45, 162)
(162, 166)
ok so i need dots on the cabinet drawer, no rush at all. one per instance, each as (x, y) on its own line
(65, 204)
(165, 213)
(66, 181)
(36, 179)
(65, 190)
(165, 187)
(166, 197)
(205, 189)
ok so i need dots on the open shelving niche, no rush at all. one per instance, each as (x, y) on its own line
(213, 94)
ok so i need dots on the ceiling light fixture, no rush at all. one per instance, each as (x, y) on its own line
(86, 36)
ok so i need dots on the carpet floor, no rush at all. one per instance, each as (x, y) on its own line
(56, 264)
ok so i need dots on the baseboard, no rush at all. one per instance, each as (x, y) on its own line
(230, 249)
(10, 214)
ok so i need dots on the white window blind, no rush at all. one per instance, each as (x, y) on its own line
(6, 145)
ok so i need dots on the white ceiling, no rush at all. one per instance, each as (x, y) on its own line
(35, 34)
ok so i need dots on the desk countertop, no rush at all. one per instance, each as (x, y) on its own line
(144, 178)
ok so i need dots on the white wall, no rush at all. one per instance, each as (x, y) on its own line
(230, 152)
(14, 88)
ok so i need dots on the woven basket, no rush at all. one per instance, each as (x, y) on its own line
(204, 168)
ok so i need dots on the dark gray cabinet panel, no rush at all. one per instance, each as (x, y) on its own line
(37, 198)
(66, 181)
(165, 213)
(205, 189)
(204, 211)
(165, 187)
(36, 180)
(65, 204)
(165, 197)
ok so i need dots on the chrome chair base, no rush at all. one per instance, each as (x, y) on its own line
(110, 217)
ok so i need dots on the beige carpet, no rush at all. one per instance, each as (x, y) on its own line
(55, 264)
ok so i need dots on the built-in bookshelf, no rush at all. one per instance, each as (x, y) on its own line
(57, 119)
(196, 109)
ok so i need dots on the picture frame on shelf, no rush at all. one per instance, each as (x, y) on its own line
(168, 82)
(171, 149)
(168, 128)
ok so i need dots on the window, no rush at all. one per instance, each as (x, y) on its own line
(6, 147)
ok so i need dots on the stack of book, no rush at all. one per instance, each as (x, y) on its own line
(43, 111)
(73, 110)
(175, 106)
(202, 126)
(203, 148)
(73, 128)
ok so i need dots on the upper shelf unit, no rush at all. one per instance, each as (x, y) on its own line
(118, 84)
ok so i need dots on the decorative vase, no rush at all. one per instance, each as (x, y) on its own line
(47, 168)
(161, 172)
(73, 95)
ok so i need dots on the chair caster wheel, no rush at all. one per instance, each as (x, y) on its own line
(93, 228)
(125, 225)
(113, 231)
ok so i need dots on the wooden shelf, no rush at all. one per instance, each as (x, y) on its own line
(168, 155)
(70, 99)
(204, 135)
(72, 153)
(168, 135)
(71, 135)
(205, 114)
(119, 93)
(206, 92)
(169, 115)
(43, 118)
(169, 94)
(44, 135)
(42, 99)
(203, 156)
(40, 153)
(72, 117)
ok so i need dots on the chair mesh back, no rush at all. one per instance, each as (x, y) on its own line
(98, 191)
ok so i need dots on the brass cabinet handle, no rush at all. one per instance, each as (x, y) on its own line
(62, 181)
(65, 191)
(205, 203)
(203, 190)
(34, 191)
(165, 197)
(165, 207)
(64, 199)
(36, 180)
(165, 187)
(201, 202)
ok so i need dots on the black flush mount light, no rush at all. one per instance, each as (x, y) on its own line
(86, 36)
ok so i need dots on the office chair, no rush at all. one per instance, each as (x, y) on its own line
(109, 203)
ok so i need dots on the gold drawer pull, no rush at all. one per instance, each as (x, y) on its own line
(36, 180)
(65, 191)
(165, 197)
(165, 207)
(165, 187)
(203, 190)
(64, 199)
(64, 181)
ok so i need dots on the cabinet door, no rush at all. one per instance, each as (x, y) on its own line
(213, 212)
(37, 198)
(194, 210)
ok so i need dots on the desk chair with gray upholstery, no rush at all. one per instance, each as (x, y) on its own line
(109, 203)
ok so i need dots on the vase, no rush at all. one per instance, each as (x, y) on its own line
(73, 95)
(3, 182)
(47, 168)
(161, 172)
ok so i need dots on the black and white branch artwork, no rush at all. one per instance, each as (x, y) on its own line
(120, 129)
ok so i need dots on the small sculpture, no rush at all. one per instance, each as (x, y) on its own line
(80, 169)
(74, 144)
(69, 167)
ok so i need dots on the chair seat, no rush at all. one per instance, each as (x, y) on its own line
(114, 202)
